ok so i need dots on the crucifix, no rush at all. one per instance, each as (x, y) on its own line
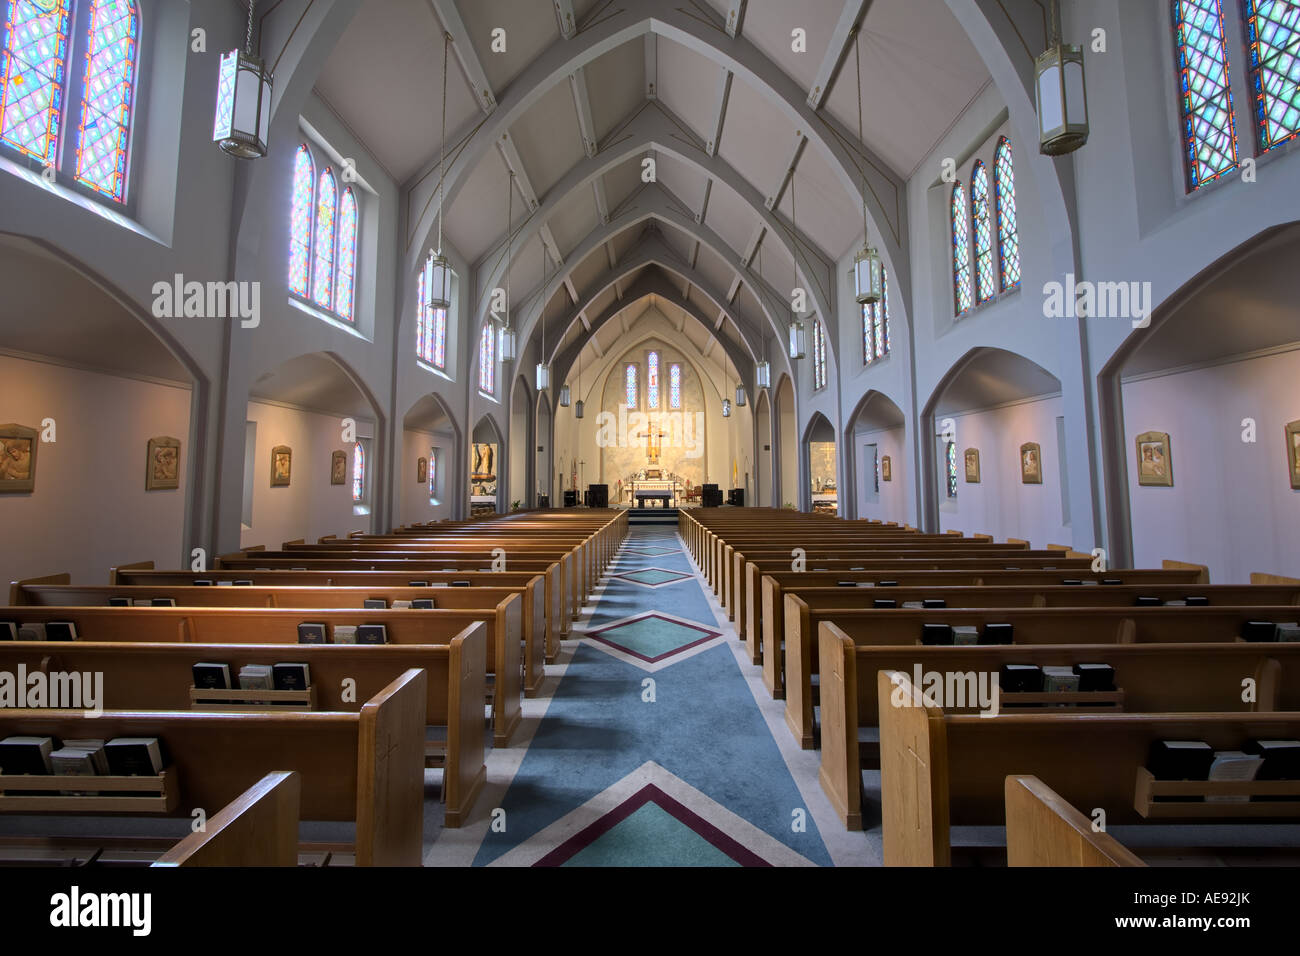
(652, 443)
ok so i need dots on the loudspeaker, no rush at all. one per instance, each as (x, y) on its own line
(599, 496)
(736, 496)
(570, 499)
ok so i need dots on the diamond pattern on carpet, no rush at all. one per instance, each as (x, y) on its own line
(652, 577)
(652, 637)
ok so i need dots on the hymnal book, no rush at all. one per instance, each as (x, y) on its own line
(1180, 760)
(142, 602)
(8, 630)
(256, 677)
(933, 603)
(866, 584)
(225, 584)
(163, 602)
(1099, 677)
(32, 632)
(438, 584)
(96, 750)
(1259, 631)
(74, 762)
(291, 676)
(1057, 679)
(26, 755)
(202, 583)
(374, 604)
(1088, 581)
(312, 634)
(1075, 581)
(1233, 765)
(936, 633)
(887, 584)
(846, 584)
(1288, 633)
(1112, 581)
(965, 635)
(423, 604)
(1281, 759)
(417, 584)
(134, 756)
(243, 583)
(1010, 567)
(1146, 600)
(1021, 678)
(1197, 600)
(1176, 603)
(912, 606)
(345, 633)
(372, 634)
(881, 603)
(209, 676)
(401, 605)
(119, 602)
(997, 633)
(857, 569)
(60, 631)
(460, 584)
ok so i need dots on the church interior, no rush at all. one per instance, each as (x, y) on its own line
(709, 501)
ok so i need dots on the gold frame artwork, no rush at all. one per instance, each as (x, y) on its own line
(283, 480)
(972, 456)
(421, 471)
(1028, 476)
(16, 475)
(886, 468)
(155, 478)
(338, 468)
(1293, 451)
(1160, 472)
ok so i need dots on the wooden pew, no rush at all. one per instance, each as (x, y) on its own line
(159, 676)
(366, 767)
(1045, 830)
(941, 770)
(257, 828)
(28, 593)
(163, 625)
(1046, 626)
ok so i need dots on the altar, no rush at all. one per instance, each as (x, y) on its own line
(654, 487)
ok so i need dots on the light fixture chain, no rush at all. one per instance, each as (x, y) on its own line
(857, 54)
(248, 39)
(442, 143)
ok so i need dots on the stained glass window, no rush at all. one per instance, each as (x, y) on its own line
(652, 380)
(431, 323)
(487, 358)
(629, 382)
(1209, 130)
(979, 202)
(674, 386)
(819, 355)
(875, 325)
(1004, 184)
(347, 256)
(359, 473)
(327, 201)
(875, 458)
(950, 452)
(960, 215)
(1273, 42)
(107, 94)
(433, 472)
(304, 183)
(35, 60)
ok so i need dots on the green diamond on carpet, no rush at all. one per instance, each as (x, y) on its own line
(652, 637)
(650, 837)
(653, 576)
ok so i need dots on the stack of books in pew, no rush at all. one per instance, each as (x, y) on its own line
(379, 604)
(46, 756)
(38, 631)
(141, 602)
(311, 633)
(1083, 678)
(959, 634)
(209, 676)
(1197, 760)
(1268, 631)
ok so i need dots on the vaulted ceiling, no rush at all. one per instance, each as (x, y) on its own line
(712, 90)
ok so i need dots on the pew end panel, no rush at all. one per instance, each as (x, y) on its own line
(1043, 829)
(913, 775)
(840, 774)
(257, 828)
(465, 772)
(390, 774)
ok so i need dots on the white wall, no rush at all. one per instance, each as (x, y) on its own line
(1231, 505)
(890, 502)
(413, 495)
(90, 510)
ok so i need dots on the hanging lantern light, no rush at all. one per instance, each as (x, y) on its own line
(438, 283)
(868, 272)
(564, 396)
(578, 407)
(509, 343)
(740, 396)
(726, 408)
(798, 343)
(1061, 98)
(543, 376)
(763, 374)
(798, 339)
(543, 370)
(243, 119)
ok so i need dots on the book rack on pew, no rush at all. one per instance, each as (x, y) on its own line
(1149, 789)
(252, 701)
(158, 794)
(1078, 701)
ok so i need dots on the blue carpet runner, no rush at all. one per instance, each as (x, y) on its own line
(652, 750)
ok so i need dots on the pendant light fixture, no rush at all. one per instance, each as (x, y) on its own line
(1060, 96)
(726, 402)
(564, 396)
(740, 395)
(543, 370)
(579, 405)
(868, 272)
(509, 343)
(243, 118)
(439, 288)
(763, 370)
(798, 336)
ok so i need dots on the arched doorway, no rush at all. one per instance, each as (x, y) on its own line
(429, 431)
(518, 465)
(543, 471)
(486, 492)
(764, 493)
(822, 459)
(876, 447)
(787, 444)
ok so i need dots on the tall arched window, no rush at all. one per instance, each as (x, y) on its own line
(960, 216)
(674, 386)
(1004, 184)
(344, 284)
(652, 380)
(327, 202)
(42, 91)
(487, 358)
(433, 474)
(358, 473)
(875, 324)
(979, 202)
(1209, 129)
(300, 215)
(106, 98)
(431, 323)
(950, 461)
(1272, 40)
(819, 355)
(632, 395)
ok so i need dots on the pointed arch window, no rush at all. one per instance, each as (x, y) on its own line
(979, 201)
(431, 323)
(1273, 45)
(632, 395)
(345, 282)
(44, 90)
(1004, 185)
(327, 201)
(358, 473)
(652, 380)
(487, 358)
(819, 355)
(950, 461)
(1205, 93)
(959, 213)
(875, 325)
(300, 217)
(324, 228)
(674, 386)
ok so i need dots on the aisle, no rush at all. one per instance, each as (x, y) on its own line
(651, 748)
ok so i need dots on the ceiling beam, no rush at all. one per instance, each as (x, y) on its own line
(735, 17)
(774, 198)
(708, 346)
(721, 94)
(704, 203)
(846, 27)
(582, 103)
(602, 199)
(652, 66)
(746, 257)
(722, 317)
(573, 289)
(515, 164)
(609, 254)
(465, 55)
(564, 17)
